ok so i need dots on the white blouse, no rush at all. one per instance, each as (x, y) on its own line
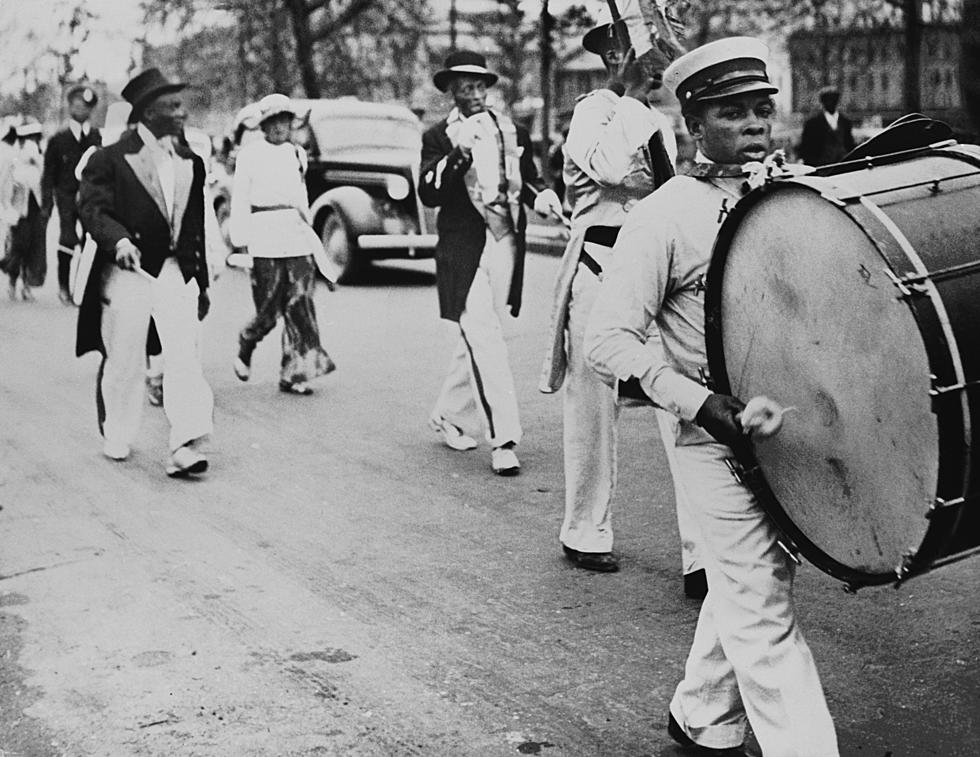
(269, 205)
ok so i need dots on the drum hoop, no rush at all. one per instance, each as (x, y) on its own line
(943, 356)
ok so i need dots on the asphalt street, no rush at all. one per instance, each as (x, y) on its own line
(339, 583)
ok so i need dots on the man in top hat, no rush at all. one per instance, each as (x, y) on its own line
(748, 660)
(619, 149)
(477, 167)
(828, 136)
(142, 201)
(59, 185)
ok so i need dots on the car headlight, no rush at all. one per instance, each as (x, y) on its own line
(397, 187)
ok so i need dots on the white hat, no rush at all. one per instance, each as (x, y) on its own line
(722, 68)
(274, 105)
(29, 129)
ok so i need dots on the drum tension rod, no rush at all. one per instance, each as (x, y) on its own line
(942, 504)
(939, 391)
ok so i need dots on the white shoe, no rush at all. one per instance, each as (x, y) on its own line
(185, 461)
(115, 450)
(242, 370)
(452, 437)
(504, 462)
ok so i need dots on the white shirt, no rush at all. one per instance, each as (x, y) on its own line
(78, 130)
(162, 154)
(832, 119)
(270, 176)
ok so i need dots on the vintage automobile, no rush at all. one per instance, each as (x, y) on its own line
(362, 182)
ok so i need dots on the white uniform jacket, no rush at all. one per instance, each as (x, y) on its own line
(657, 274)
(608, 168)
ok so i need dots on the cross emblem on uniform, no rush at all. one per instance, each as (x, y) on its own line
(724, 210)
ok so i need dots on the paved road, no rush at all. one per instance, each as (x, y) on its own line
(340, 584)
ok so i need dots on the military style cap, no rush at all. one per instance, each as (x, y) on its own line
(725, 67)
(84, 93)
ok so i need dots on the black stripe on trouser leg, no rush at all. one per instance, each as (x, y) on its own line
(479, 383)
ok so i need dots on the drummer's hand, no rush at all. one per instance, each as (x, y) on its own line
(127, 254)
(719, 417)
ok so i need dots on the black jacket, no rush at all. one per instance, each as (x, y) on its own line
(462, 230)
(60, 159)
(120, 198)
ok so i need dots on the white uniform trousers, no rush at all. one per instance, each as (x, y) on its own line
(187, 398)
(748, 656)
(479, 387)
(589, 439)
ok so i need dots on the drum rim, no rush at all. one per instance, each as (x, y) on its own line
(865, 214)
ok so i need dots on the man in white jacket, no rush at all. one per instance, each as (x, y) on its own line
(618, 150)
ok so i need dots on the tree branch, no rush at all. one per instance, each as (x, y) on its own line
(352, 11)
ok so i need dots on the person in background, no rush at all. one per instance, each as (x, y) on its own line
(478, 169)
(60, 186)
(270, 216)
(828, 136)
(26, 260)
(142, 201)
(618, 150)
(8, 152)
(748, 660)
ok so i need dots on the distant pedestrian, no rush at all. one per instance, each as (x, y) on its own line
(828, 136)
(60, 185)
(478, 169)
(8, 152)
(142, 200)
(26, 259)
(270, 216)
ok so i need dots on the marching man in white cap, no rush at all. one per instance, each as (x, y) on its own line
(618, 150)
(478, 168)
(748, 660)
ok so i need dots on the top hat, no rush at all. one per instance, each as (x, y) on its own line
(146, 86)
(274, 105)
(84, 93)
(725, 67)
(463, 63)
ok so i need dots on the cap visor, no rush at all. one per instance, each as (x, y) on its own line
(740, 89)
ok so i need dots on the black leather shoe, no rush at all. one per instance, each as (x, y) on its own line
(678, 735)
(695, 585)
(603, 562)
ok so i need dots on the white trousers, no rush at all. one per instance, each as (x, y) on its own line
(748, 657)
(479, 387)
(187, 398)
(590, 438)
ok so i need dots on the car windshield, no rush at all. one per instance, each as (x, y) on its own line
(336, 134)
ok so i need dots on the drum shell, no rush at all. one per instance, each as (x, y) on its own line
(860, 476)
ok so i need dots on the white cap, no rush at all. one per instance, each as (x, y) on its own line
(274, 105)
(722, 68)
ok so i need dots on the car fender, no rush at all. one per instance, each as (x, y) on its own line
(354, 204)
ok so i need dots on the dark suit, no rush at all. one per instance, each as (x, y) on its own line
(821, 145)
(59, 186)
(462, 230)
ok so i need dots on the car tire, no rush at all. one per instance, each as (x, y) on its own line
(340, 249)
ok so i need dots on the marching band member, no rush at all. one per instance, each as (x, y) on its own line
(749, 660)
(619, 148)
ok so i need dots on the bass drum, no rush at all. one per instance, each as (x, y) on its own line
(854, 296)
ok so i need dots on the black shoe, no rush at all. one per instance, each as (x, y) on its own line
(695, 585)
(603, 562)
(678, 735)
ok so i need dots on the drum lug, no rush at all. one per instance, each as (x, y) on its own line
(906, 289)
(942, 504)
(939, 391)
(904, 569)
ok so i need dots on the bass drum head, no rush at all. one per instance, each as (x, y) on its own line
(809, 318)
